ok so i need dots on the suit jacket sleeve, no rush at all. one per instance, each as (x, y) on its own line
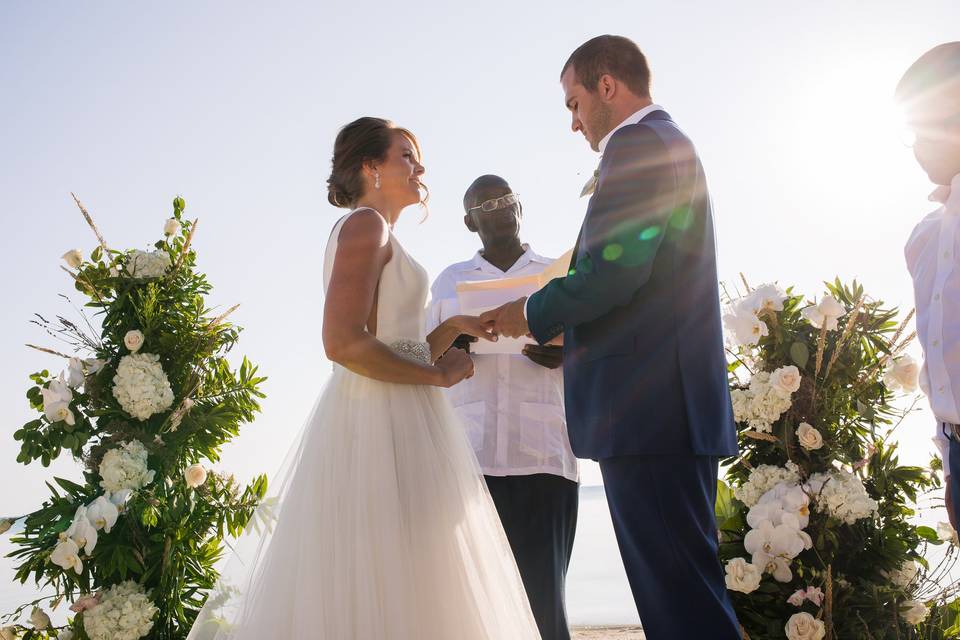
(625, 226)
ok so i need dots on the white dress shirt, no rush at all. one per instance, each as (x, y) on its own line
(512, 407)
(931, 255)
(633, 119)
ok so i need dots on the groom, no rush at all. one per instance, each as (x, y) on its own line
(644, 367)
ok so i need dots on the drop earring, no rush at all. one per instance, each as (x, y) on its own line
(376, 182)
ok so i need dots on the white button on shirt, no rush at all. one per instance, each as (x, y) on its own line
(930, 255)
(512, 407)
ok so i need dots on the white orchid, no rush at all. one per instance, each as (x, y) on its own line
(65, 634)
(773, 546)
(102, 514)
(75, 377)
(903, 373)
(914, 612)
(39, 619)
(82, 531)
(118, 498)
(94, 365)
(825, 313)
(73, 258)
(66, 555)
(766, 297)
(746, 327)
(947, 533)
(56, 400)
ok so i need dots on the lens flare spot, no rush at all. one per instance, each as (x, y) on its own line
(612, 252)
(681, 218)
(650, 233)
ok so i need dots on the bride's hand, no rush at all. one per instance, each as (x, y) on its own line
(472, 326)
(455, 365)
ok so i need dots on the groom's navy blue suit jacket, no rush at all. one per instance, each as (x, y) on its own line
(644, 365)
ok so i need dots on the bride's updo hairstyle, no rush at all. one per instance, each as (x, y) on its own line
(362, 140)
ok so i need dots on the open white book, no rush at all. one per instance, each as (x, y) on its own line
(482, 295)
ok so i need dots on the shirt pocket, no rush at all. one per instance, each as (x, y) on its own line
(473, 415)
(544, 429)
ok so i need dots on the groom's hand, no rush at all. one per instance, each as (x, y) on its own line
(508, 320)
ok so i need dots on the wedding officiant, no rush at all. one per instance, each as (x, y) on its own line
(512, 409)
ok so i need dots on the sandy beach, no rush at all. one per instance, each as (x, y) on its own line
(607, 633)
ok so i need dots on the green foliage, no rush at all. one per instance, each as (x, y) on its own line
(844, 396)
(168, 536)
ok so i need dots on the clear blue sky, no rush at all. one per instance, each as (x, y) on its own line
(235, 105)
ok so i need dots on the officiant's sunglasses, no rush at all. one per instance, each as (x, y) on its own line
(497, 203)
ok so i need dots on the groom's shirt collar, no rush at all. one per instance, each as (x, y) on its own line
(634, 119)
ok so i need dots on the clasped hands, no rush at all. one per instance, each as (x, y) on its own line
(510, 321)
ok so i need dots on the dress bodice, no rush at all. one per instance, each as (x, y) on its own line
(402, 291)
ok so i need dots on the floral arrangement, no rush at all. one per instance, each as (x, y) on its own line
(143, 399)
(815, 518)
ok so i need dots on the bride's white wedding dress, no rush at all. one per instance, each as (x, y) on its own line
(385, 529)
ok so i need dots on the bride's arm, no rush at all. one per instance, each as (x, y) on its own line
(363, 249)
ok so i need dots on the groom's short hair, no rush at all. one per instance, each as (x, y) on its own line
(930, 88)
(614, 55)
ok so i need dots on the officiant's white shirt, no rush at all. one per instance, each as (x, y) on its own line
(931, 255)
(512, 407)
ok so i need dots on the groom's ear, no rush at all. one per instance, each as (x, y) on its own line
(607, 87)
(468, 220)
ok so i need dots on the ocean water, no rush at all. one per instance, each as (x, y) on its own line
(597, 589)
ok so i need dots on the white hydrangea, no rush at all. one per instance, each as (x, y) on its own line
(840, 494)
(766, 399)
(124, 613)
(141, 387)
(125, 467)
(148, 264)
(764, 478)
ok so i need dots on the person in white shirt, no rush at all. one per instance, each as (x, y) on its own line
(513, 411)
(930, 95)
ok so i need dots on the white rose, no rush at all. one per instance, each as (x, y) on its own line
(195, 475)
(171, 227)
(39, 619)
(742, 576)
(809, 437)
(133, 340)
(903, 374)
(73, 258)
(785, 380)
(914, 612)
(803, 626)
(5, 524)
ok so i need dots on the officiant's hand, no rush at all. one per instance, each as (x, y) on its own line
(547, 356)
(508, 320)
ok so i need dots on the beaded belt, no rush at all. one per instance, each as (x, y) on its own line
(413, 350)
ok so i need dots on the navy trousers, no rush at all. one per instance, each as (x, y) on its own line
(953, 460)
(539, 516)
(663, 514)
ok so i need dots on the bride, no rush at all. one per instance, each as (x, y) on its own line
(385, 529)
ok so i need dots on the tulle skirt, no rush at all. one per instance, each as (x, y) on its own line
(384, 530)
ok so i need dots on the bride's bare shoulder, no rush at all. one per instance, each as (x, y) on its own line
(364, 228)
